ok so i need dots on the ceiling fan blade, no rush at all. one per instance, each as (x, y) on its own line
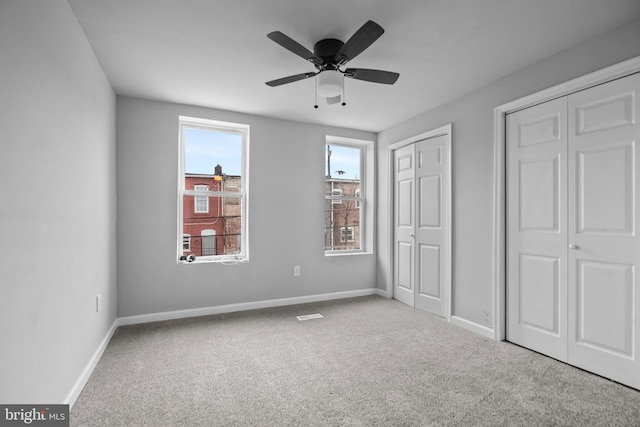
(290, 79)
(359, 41)
(375, 76)
(293, 46)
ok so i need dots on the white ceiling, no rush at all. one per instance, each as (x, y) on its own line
(216, 54)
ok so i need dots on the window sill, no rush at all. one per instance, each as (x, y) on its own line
(231, 260)
(347, 253)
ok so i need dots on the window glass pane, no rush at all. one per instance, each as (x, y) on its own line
(212, 163)
(342, 185)
(342, 225)
(210, 154)
(342, 164)
(217, 232)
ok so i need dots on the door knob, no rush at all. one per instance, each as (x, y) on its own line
(574, 247)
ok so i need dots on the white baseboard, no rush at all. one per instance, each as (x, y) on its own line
(472, 326)
(383, 293)
(231, 308)
(88, 370)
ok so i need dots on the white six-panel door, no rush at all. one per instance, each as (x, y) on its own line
(573, 249)
(421, 224)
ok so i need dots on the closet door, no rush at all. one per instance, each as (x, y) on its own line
(573, 245)
(537, 231)
(603, 287)
(422, 243)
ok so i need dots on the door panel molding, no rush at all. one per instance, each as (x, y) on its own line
(547, 271)
(597, 280)
(614, 205)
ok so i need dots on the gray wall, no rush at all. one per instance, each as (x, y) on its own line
(473, 158)
(57, 201)
(286, 215)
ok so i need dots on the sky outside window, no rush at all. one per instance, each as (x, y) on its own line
(205, 149)
(345, 162)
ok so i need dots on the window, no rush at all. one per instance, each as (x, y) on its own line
(336, 192)
(346, 234)
(347, 170)
(201, 202)
(213, 196)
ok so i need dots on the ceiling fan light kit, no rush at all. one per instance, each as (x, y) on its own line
(328, 56)
(330, 84)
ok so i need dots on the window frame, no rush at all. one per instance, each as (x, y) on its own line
(243, 130)
(364, 200)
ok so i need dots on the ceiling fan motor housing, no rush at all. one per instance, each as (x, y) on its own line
(327, 50)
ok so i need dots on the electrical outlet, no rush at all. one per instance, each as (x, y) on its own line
(98, 303)
(296, 270)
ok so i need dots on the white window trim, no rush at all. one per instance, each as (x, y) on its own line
(185, 122)
(366, 201)
(186, 238)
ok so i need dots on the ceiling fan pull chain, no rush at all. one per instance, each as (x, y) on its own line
(344, 92)
(316, 104)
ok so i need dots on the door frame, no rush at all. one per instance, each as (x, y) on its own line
(604, 75)
(445, 130)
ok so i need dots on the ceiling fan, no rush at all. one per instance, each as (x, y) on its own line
(329, 56)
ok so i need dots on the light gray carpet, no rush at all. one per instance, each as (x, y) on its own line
(370, 361)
